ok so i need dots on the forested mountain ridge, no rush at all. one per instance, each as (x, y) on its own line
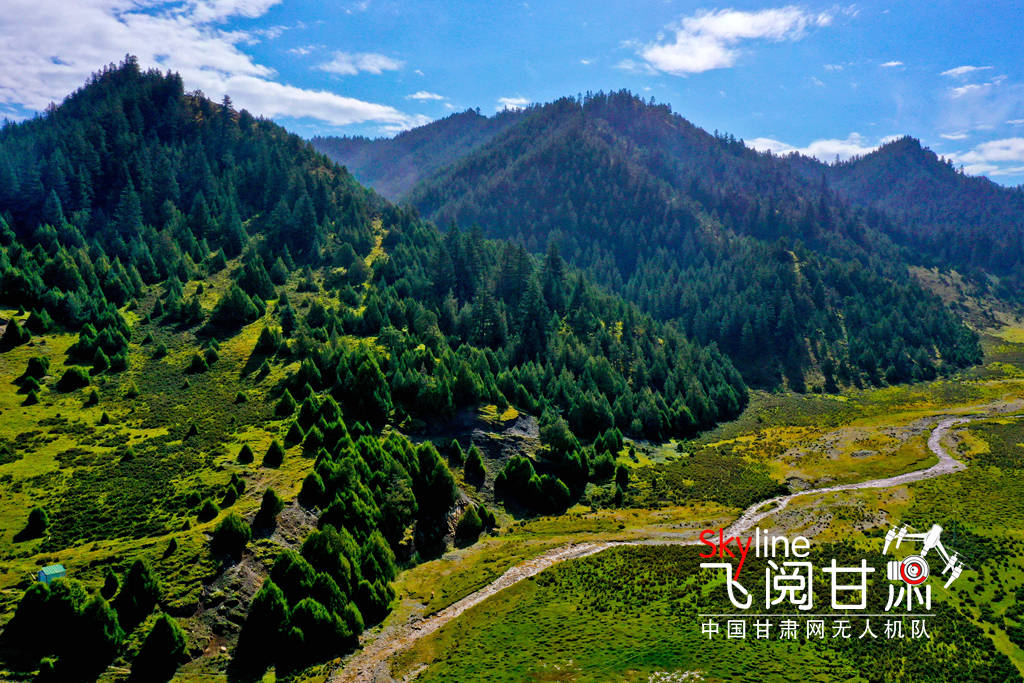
(208, 326)
(241, 178)
(392, 166)
(943, 216)
(734, 245)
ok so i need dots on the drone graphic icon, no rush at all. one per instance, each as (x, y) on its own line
(914, 570)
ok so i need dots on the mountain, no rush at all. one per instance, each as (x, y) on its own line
(941, 215)
(392, 166)
(737, 247)
(208, 329)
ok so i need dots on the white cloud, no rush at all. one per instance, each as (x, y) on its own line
(962, 90)
(50, 47)
(303, 50)
(824, 150)
(833, 67)
(817, 81)
(218, 10)
(633, 66)
(894, 63)
(980, 169)
(351, 63)
(585, 62)
(959, 71)
(1004, 157)
(424, 95)
(1016, 122)
(1007, 149)
(512, 102)
(985, 105)
(953, 136)
(708, 39)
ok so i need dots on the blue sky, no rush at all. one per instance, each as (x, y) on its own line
(830, 80)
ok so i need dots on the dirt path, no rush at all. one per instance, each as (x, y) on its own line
(371, 662)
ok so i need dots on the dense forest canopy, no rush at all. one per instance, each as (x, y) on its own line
(119, 207)
(733, 246)
(392, 166)
(132, 182)
(601, 265)
(940, 214)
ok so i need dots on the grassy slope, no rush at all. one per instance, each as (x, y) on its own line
(107, 510)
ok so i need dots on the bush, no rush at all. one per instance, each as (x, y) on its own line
(313, 441)
(456, 455)
(245, 454)
(73, 378)
(197, 365)
(469, 526)
(104, 418)
(207, 511)
(95, 644)
(29, 385)
(556, 434)
(374, 600)
(274, 456)
(31, 399)
(100, 362)
(13, 336)
(270, 508)
(159, 351)
(241, 397)
(233, 310)
(285, 406)
(38, 367)
(230, 537)
(119, 361)
(217, 261)
(268, 342)
(554, 494)
(602, 466)
(324, 634)
(261, 634)
(91, 399)
(312, 492)
(39, 322)
(36, 526)
(474, 469)
(487, 518)
(294, 574)
(139, 594)
(161, 652)
(294, 435)
(377, 560)
(514, 478)
(622, 477)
